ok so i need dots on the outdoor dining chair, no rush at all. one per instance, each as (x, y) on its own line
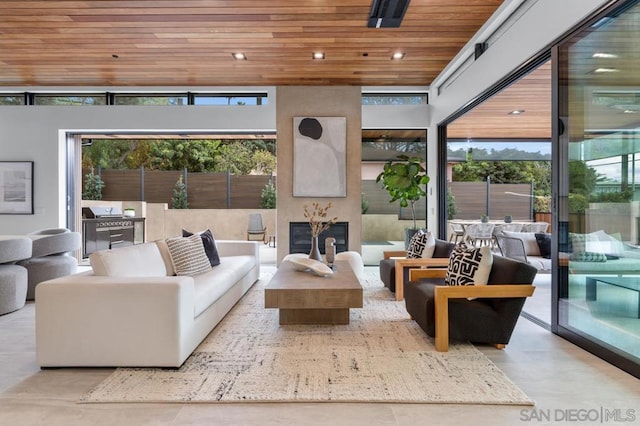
(479, 234)
(256, 228)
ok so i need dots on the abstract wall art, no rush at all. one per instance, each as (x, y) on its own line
(319, 156)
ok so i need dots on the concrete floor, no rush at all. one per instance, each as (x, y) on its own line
(559, 376)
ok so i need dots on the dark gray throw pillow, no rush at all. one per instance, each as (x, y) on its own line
(209, 245)
(544, 244)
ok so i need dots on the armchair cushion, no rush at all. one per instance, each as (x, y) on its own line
(528, 240)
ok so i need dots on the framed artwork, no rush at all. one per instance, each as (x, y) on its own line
(16, 187)
(319, 156)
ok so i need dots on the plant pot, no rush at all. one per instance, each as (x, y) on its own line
(508, 219)
(129, 213)
(408, 234)
(484, 219)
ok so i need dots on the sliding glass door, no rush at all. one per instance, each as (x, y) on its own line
(599, 199)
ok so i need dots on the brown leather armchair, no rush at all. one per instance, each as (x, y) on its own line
(446, 312)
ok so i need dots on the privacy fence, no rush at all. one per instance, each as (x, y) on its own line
(204, 190)
(227, 191)
(473, 199)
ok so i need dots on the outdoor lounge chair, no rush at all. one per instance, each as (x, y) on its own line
(256, 228)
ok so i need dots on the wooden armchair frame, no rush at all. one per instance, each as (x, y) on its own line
(403, 262)
(444, 293)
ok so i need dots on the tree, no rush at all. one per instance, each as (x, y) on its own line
(196, 155)
(582, 178)
(268, 196)
(265, 162)
(179, 199)
(452, 208)
(405, 179)
(93, 185)
(234, 158)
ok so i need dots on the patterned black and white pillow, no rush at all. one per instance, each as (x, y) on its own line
(469, 266)
(422, 244)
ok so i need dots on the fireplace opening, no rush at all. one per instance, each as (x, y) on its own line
(300, 237)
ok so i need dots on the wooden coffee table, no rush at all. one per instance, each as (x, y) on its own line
(306, 298)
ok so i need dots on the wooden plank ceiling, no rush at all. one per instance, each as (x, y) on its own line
(191, 42)
(492, 119)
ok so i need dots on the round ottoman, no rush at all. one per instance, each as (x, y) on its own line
(13, 278)
(50, 256)
(13, 288)
(47, 268)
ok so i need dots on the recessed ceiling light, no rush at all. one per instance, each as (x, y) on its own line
(318, 55)
(605, 70)
(604, 55)
(397, 55)
(516, 112)
(239, 56)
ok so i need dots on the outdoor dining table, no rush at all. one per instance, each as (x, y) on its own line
(495, 225)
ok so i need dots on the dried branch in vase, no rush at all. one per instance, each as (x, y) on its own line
(317, 217)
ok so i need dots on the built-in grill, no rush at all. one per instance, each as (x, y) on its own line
(106, 228)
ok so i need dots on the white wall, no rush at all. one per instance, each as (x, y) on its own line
(544, 22)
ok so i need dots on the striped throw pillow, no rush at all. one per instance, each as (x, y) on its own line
(188, 255)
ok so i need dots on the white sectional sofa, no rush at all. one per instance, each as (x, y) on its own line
(132, 311)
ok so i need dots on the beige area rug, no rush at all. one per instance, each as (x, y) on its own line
(382, 356)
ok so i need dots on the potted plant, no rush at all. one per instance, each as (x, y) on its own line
(129, 212)
(405, 179)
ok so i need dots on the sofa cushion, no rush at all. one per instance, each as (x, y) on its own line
(142, 260)
(209, 245)
(528, 239)
(422, 244)
(469, 266)
(188, 255)
(211, 285)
